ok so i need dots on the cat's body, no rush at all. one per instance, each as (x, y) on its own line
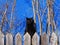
(30, 26)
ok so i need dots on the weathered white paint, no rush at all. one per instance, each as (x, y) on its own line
(1, 38)
(44, 39)
(9, 39)
(18, 39)
(27, 39)
(35, 39)
(53, 40)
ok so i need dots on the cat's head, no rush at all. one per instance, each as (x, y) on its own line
(29, 20)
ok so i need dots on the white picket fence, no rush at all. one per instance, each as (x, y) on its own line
(27, 39)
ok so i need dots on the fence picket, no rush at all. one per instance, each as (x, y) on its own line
(35, 39)
(9, 39)
(53, 40)
(27, 39)
(1, 38)
(44, 39)
(18, 39)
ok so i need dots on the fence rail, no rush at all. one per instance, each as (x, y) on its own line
(28, 40)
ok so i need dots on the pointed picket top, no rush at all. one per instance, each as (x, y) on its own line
(35, 39)
(1, 38)
(18, 35)
(1, 34)
(53, 40)
(18, 39)
(9, 39)
(27, 39)
(44, 39)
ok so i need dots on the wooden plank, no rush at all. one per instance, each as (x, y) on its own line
(1, 38)
(18, 39)
(9, 39)
(35, 39)
(27, 39)
(44, 39)
(53, 40)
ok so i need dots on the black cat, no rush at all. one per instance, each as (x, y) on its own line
(30, 26)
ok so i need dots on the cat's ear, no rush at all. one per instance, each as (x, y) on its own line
(29, 18)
